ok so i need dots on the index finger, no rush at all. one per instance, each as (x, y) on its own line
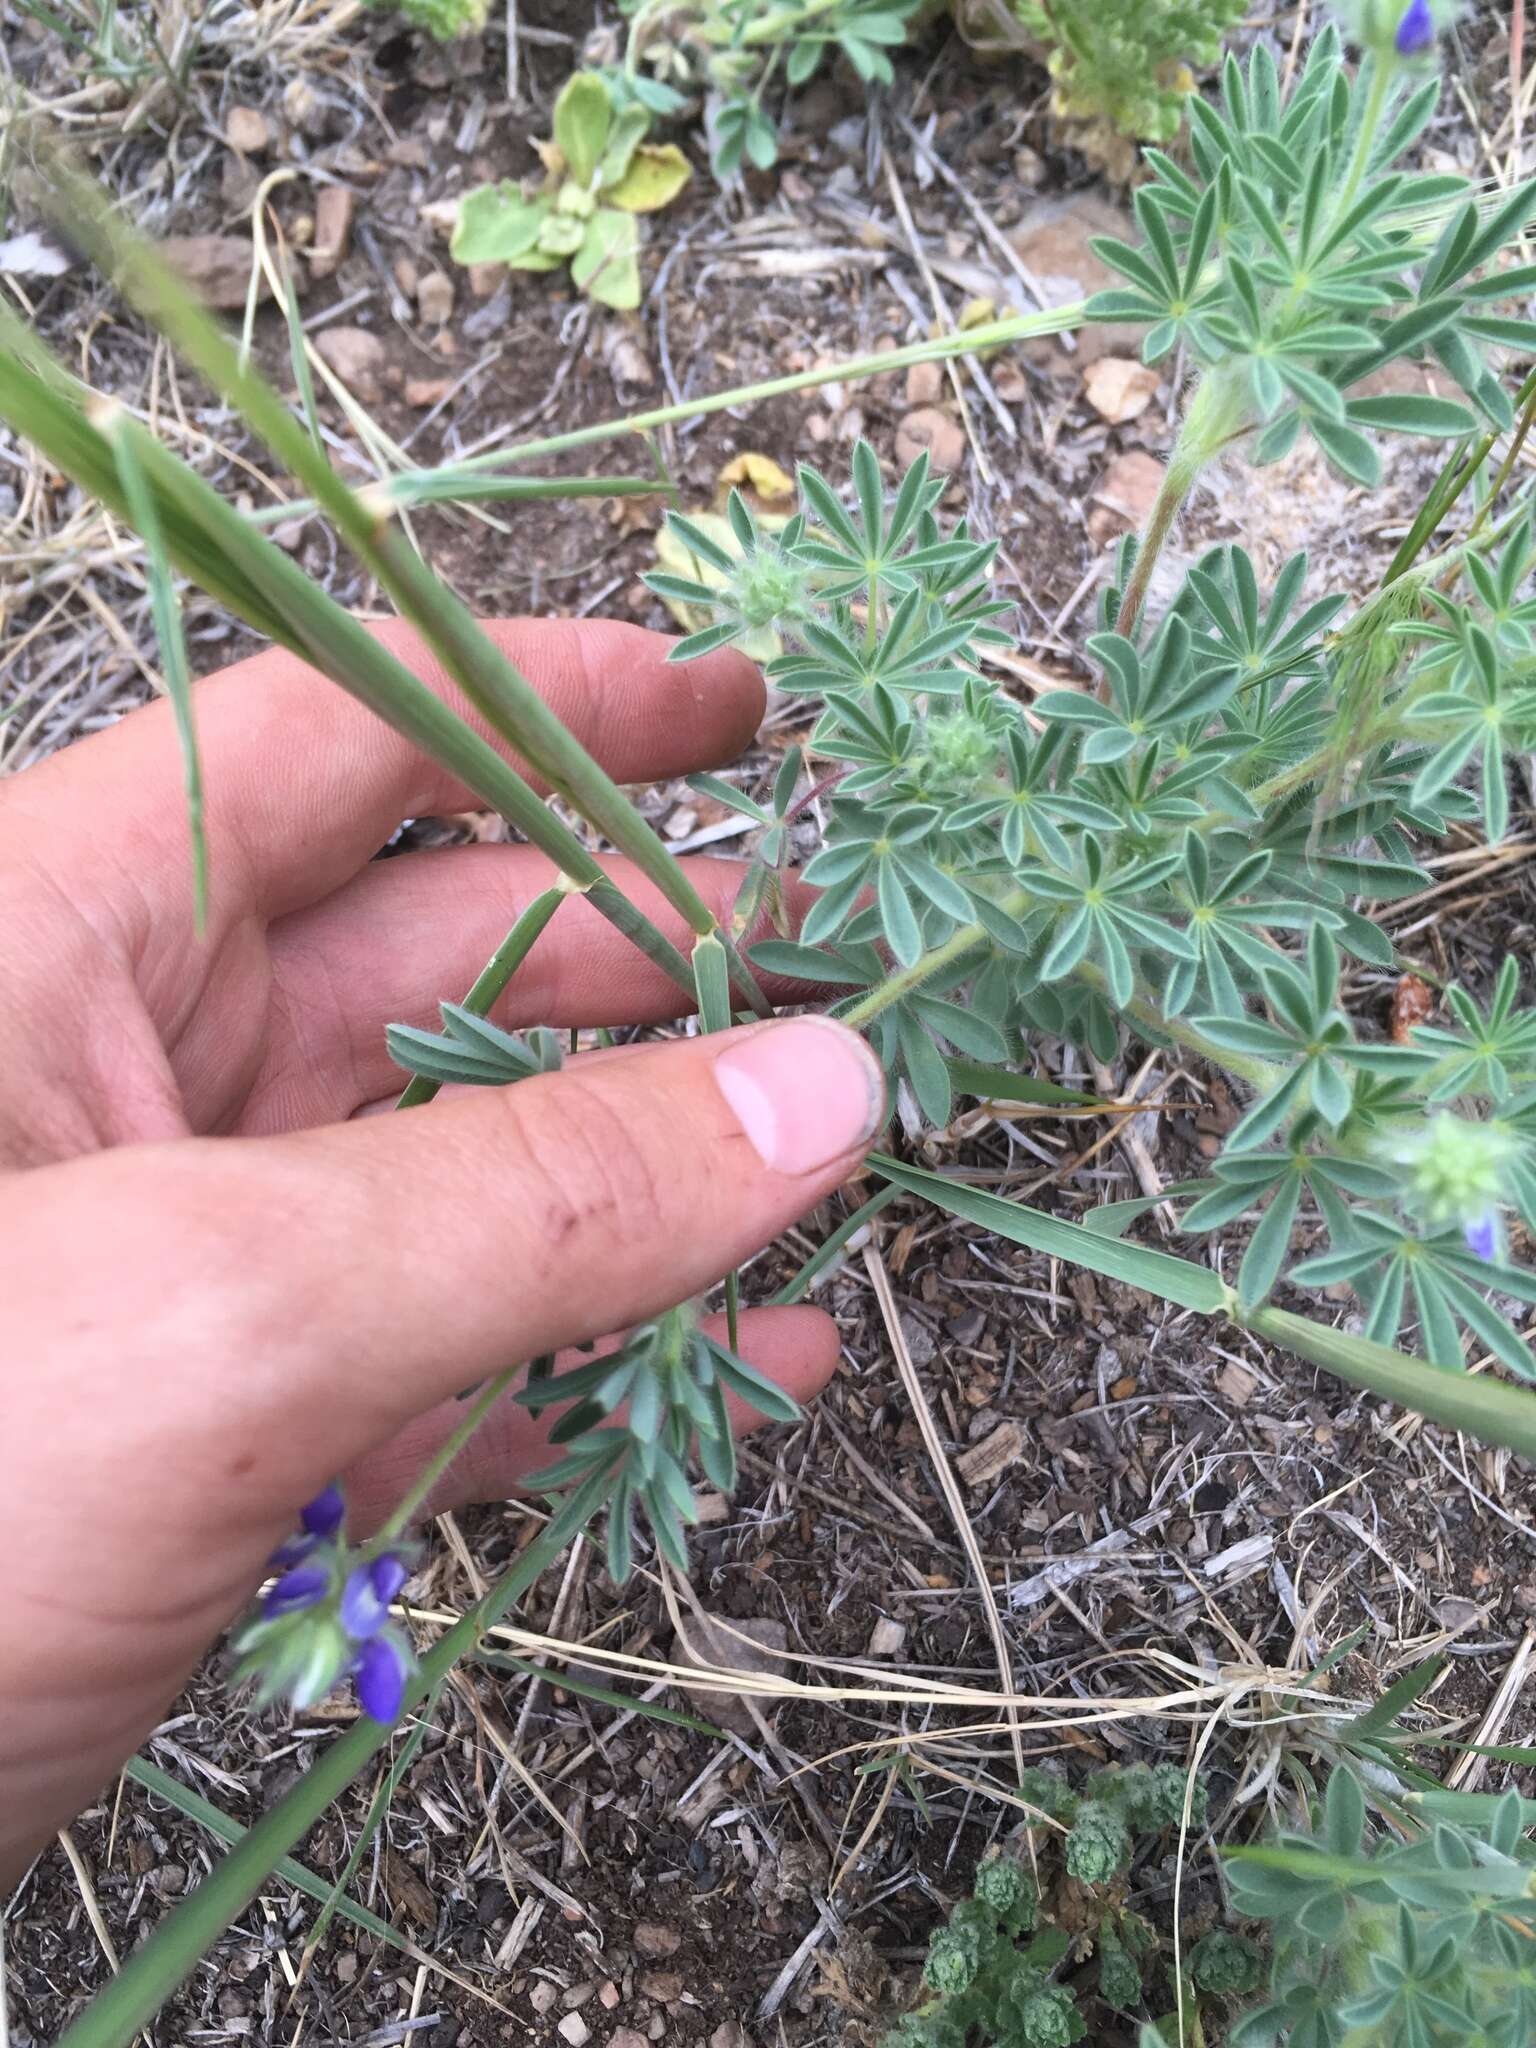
(303, 784)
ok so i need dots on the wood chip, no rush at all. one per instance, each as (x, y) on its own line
(1237, 1384)
(333, 228)
(247, 130)
(217, 267)
(1413, 1002)
(886, 1638)
(932, 432)
(988, 1460)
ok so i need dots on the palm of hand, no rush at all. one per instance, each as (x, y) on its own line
(201, 1333)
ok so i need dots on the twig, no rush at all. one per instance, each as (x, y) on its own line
(947, 324)
(989, 228)
(950, 1486)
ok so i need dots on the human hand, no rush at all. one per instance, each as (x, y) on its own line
(224, 1285)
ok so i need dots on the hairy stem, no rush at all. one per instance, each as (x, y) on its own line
(1216, 412)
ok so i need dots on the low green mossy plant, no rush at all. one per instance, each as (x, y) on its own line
(1129, 62)
(997, 1970)
(600, 173)
(444, 20)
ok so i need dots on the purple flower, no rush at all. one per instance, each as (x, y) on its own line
(379, 1670)
(1482, 1236)
(324, 1515)
(365, 1598)
(304, 1586)
(293, 1552)
(1416, 30)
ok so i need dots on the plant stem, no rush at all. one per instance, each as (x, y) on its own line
(487, 676)
(1448, 487)
(1382, 75)
(1257, 1073)
(996, 334)
(443, 1457)
(1215, 413)
(494, 976)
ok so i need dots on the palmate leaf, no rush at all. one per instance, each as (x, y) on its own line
(470, 1051)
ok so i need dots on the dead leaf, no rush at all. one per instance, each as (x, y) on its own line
(409, 1890)
(758, 477)
(1413, 1003)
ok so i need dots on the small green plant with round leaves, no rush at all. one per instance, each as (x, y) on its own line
(600, 174)
(739, 53)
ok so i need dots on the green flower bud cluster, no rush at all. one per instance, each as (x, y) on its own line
(958, 754)
(1228, 1964)
(768, 588)
(1455, 1174)
(1098, 1844)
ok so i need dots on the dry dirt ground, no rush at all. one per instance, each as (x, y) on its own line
(1159, 1515)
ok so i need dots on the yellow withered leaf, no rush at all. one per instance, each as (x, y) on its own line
(759, 476)
(657, 173)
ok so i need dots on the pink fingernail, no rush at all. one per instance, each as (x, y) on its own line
(804, 1090)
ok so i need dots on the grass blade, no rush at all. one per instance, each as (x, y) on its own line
(1135, 1265)
(125, 437)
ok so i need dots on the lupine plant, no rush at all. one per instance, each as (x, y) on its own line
(1418, 1936)
(1183, 852)
(1184, 848)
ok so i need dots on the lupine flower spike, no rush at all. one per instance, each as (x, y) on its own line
(326, 1617)
(1416, 30)
(1454, 1173)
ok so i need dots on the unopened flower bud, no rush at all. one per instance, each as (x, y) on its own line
(768, 586)
(379, 1671)
(306, 1585)
(1416, 30)
(324, 1515)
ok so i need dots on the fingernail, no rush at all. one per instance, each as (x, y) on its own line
(805, 1091)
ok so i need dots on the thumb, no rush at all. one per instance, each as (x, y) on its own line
(282, 1306)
